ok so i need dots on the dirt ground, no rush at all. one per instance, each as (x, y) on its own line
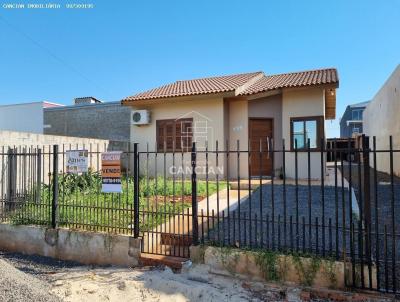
(34, 278)
(67, 281)
(115, 284)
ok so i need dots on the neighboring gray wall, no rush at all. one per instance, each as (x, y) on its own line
(381, 119)
(109, 121)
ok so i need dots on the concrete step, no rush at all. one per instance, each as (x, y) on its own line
(176, 239)
(156, 260)
(234, 185)
(244, 184)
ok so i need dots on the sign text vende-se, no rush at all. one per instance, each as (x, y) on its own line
(111, 172)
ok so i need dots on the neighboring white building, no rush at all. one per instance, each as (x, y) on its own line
(381, 119)
(25, 117)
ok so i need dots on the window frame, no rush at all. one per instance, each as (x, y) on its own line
(359, 113)
(320, 131)
(173, 122)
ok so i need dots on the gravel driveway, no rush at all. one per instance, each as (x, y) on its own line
(381, 198)
(251, 231)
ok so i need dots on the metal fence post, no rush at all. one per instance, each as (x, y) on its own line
(135, 191)
(38, 175)
(54, 204)
(195, 225)
(366, 164)
(367, 203)
(12, 179)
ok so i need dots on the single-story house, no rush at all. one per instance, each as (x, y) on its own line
(243, 109)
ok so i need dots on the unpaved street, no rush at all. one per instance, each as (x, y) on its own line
(42, 279)
(33, 278)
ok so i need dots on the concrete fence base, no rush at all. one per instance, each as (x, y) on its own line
(83, 247)
(270, 266)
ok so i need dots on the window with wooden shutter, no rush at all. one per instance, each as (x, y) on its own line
(174, 135)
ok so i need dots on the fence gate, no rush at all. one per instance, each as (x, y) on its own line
(167, 202)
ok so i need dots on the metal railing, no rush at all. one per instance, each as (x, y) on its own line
(273, 198)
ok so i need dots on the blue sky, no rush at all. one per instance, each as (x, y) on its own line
(123, 47)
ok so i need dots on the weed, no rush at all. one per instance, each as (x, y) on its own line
(306, 267)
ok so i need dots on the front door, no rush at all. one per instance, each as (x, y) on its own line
(260, 133)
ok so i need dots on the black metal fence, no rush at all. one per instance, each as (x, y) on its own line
(287, 200)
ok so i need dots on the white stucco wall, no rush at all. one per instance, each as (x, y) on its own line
(207, 110)
(238, 131)
(22, 117)
(301, 103)
(381, 119)
(228, 120)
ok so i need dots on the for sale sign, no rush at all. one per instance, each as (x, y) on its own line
(111, 172)
(77, 161)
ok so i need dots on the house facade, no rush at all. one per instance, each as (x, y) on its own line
(251, 111)
(351, 122)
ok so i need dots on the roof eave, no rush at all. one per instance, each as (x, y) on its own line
(182, 98)
(264, 93)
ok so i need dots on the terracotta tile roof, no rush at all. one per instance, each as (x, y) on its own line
(197, 86)
(241, 84)
(295, 79)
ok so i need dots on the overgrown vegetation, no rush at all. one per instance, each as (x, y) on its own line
(83, 205)
(275, 265)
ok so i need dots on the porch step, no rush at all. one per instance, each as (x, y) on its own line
(176, 239)
(234, 185)
(156, 260)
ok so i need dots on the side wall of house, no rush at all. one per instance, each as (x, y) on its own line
(381, 119)
(301, 103)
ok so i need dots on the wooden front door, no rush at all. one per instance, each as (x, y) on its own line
(260, 132)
